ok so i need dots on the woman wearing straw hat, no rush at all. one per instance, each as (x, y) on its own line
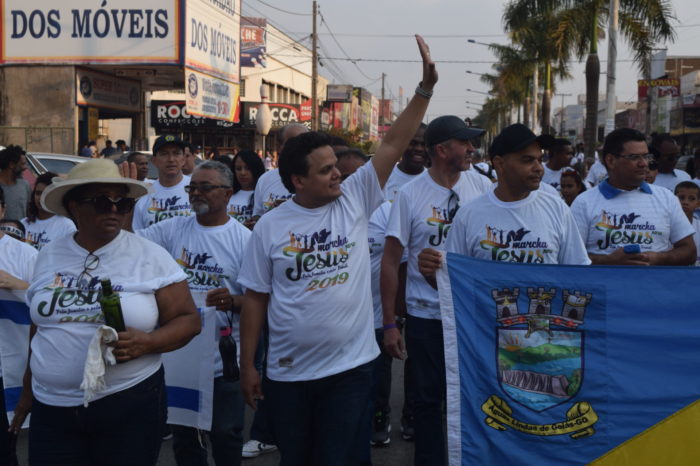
(123, 422)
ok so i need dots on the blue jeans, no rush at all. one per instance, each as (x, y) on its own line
(319, 422)
(123, 428)
(226, 433)
(425, 346)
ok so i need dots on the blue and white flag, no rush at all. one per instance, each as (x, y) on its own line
(14, 344)
(567, 365)
(189, 373)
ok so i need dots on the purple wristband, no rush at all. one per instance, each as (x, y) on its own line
(390, 326)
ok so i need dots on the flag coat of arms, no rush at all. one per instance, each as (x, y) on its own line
(568, 365)
(14, 345)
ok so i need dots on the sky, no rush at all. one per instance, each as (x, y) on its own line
(380, 32)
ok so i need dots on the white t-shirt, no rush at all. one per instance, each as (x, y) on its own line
(396, 180)
(696, 238)
(609, 218)
(596, 174)
(210, 257)
(41, 232)
(536, 230)
(375, 232)
(419, 219)
(161, 204)
(488, 169)
(67, 315)
(670, 180)
(240, 206)
(269, 192)
(315, 265)
(553, 177)
(17, 259)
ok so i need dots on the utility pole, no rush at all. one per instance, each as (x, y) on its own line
(561, 114)
(314, 72)
(611, 100)
(381, 113)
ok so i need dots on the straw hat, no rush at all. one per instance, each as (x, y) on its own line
(102, 171)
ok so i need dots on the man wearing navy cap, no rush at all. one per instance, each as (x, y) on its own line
(168, 198)
(421, 216)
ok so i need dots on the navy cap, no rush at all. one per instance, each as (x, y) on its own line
(449, 127)
(167, 139)
(517, 137)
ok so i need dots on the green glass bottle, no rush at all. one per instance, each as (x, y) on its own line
(111, 306)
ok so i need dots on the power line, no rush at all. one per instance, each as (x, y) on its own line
(431, 36)
(325, 23)
(284, 11)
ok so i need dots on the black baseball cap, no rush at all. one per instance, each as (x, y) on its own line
(167, 139)
(449, 127)
(517, 137)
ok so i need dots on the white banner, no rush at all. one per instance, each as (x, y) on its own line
(95, 31)
(212, 37)
(103, 90)
(211, 97)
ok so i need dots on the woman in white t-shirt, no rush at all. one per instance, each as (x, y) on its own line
(40, 225)
(247, 169)
(124, 420)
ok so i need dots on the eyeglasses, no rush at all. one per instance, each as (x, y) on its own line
(90, 264)
(637, 157)
(104, 204)
(452, 205)
(203, 188)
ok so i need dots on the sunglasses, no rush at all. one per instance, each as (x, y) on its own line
(452, 206)
(204, 188)
(90, 264)
(104, 204)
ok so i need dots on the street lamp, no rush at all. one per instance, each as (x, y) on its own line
(478, 74)
(472, 41)
(480, 92)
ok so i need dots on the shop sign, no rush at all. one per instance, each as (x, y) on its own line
(96, 31)
(282, 114)
(97, 89)
(664, 87)
(172, 115)
(253, 42)
(339, 92)
(211, 97)
(212, 34)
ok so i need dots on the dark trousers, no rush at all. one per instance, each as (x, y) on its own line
(8, 441)
(261, 430)
(119, 429)
(381, 376)
(226, 433)
(319, 422)
(425, 343)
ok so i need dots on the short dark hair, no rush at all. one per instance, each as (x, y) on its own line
(338, 141)
(687, 185)
(656, 142)
(188, 145)
(32, 208)
(2, 197)
(131, 157)
(254, 164)
(615, 141)
(293, 159)
(558, 145)
(10, 154)
(356, 153)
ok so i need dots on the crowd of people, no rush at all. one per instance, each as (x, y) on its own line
(322, 271)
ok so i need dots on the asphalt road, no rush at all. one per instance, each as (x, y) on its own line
(398, 452)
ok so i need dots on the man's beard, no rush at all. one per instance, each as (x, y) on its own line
(200, 208)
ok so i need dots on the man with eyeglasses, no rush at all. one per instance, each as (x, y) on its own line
(412, 164)
(209, 247)
(624, 220)
(168, 197)
(420, 217)
(560, 153)
(666, 152)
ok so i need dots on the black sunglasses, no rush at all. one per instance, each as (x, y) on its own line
(103, 204)
(90, 264)
(452, 206)
(204, 188)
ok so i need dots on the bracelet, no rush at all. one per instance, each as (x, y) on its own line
(422, 92)
(389, 326)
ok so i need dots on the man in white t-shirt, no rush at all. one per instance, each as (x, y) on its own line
(625, 221)
(309, 259)
(421, 217)
(596, 174)
(411, 165)
(666, 153)
(560, 154)
(168, 197)
(209, 247)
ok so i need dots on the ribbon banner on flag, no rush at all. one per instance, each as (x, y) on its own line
(14, 345)
(569, 365)
(189, 373)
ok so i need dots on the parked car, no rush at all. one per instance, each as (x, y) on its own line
(42, 162)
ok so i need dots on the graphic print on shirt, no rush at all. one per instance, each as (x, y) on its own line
(163, 209)
(73, 302)
(621, 229)
(240, 212)
(440, 220)
(514, 246)
(203, 273)
(274, 200)
(317, 257)
(36, 239)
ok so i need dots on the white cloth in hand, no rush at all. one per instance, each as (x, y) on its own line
(98, 354)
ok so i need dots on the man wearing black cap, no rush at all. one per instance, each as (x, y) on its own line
(420, 217)
(517, 221)
(168, 198)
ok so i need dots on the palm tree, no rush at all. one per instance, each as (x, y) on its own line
(642, 22)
